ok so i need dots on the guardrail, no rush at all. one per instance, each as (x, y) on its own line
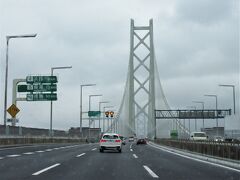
(228, 150)
(38, 140)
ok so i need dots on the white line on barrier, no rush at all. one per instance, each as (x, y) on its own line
(45, 169)
(150, 172)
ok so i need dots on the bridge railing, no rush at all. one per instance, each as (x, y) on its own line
(229, 150)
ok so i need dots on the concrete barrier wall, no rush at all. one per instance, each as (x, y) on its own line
(38, 140)
(27, 131)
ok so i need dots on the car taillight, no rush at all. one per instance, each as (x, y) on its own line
(118, 140)
(102, 140)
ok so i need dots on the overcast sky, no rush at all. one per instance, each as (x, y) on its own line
(196, 45)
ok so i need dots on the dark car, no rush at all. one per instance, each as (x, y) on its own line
(141, 141)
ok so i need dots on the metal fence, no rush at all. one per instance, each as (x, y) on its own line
(218, 149)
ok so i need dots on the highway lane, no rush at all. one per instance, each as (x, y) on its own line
(136, 162)
(171, 166)
(21, 163)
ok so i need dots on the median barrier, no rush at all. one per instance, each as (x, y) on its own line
(218, 149)
(38, 140)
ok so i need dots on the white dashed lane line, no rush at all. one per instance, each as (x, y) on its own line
(80, 155)
(13, 155)
(135, 156)
(150, 172)
(45, 169)
(131, 150)
(48, 150)
(94, 149)
(39, 151)
(28, 153)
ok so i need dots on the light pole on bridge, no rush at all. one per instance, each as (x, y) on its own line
(216, 100)
(194, 107)
(232, 86)
(51, 103)
(104, 109)
(80, 118)
(89, 109)
(201, 102)
(6, 70)
(100, 103)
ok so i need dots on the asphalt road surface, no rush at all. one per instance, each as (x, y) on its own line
(73, 161)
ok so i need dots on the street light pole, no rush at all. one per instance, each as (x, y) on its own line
(51, 103)
(195, 115)
(81, 87)
(233, 86)
(100, 103)
(216, 100)
(201, 102)
(104, 109)
(6, 71)
(89, 109)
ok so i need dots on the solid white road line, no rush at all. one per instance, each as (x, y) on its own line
(45, 169)
(131, 150)
(1, 157)
(13, 155)
(135, 156)
(94, 149)
(150, 172)
(28, 153)
(195, 159)
(80, 155)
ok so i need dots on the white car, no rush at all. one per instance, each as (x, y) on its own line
(218, 139)
(110, 141)
(131, 139)
(198, 136)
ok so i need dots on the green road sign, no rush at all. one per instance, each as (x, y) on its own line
(42, 97)
(93, 113)
(41, 79)
(37, 88)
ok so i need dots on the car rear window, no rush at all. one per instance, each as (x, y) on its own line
(199, 135)
(110, 137)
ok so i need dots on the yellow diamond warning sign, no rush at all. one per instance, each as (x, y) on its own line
(13, 110)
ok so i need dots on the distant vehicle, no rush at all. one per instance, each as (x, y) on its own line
(123, 140)
(131, 139)
(218, 138)
(141, 141)
(228, 139)
(110, 141)
(198, 136)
